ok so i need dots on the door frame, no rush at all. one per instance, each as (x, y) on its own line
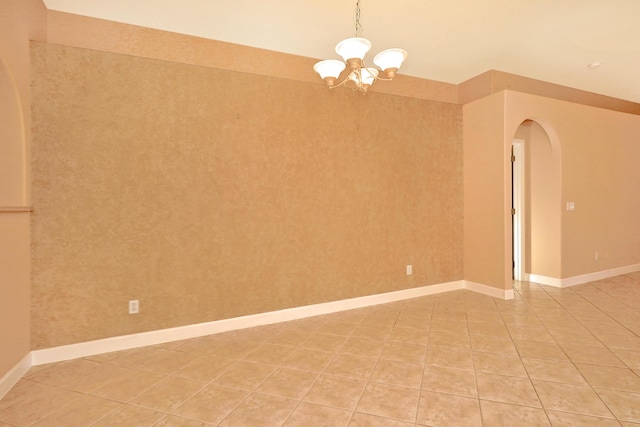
(518, 206)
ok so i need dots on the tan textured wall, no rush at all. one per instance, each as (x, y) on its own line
(20, 20)
(208, 194)
(109, 36)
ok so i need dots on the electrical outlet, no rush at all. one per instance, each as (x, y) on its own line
(409, 270)
(134, 306)
(596, 256)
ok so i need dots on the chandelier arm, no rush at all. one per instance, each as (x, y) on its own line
(375, 77)
(342, 83)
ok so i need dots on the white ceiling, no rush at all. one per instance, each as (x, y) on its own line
(447, 40)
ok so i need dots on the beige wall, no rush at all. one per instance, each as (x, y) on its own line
(209, 194)
(599, 174)
(495, 81)
(486, 166)
(20, 20)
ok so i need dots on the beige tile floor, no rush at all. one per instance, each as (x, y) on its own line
(560, 357)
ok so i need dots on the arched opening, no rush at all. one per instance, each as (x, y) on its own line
(12, 149)
(536, 196)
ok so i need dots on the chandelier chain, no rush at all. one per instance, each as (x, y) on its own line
(358, 26)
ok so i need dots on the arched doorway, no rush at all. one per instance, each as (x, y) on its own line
(536, 199)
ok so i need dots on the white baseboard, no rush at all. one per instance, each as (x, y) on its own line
(12, 377)
(543, 280)
(583, 278)
(125, 342)
(489, 290)
(599, 275)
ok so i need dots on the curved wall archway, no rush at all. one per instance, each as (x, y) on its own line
(541, 192)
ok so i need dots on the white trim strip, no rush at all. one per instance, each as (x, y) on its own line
(599, 275)
(125, 342)
(543, 280)
(583, 278)
(489, 290)
(14, 375)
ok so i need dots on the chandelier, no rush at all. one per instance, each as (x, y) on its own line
(352, 51)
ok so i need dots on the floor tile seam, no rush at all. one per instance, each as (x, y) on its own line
(475, 382)
(129, 402)
(80, 396)
(358, 400)
(46, 414)
(203, 385)
(573, 364)
(161, 420)
(424, 365)
(584, 383)
(124, 405)
(301, 401)
(636, 392)
(615, 297)
(298, 403)
(559, 345)
(209, 383)
(69, 389)
(541, 407)
(540, 402)
(588, 386)
(244, 358)
(234, 407)
(368, 380)
(604, 312)
(494, 352)
(82, 371)
(566, 411)
(323, 372)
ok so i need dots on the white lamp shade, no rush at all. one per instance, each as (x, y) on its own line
(368, 76)
(329, 68)
(355, 47)
(390, 58)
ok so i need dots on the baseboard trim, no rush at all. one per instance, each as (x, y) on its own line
(504, 294)
(14, 375)
(583, 278)
(599, 275)
(543, 280)
(125, 342)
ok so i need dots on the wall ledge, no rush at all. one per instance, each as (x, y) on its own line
(11, 378)
(125, 342)
(6, 209)
(581, 279)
